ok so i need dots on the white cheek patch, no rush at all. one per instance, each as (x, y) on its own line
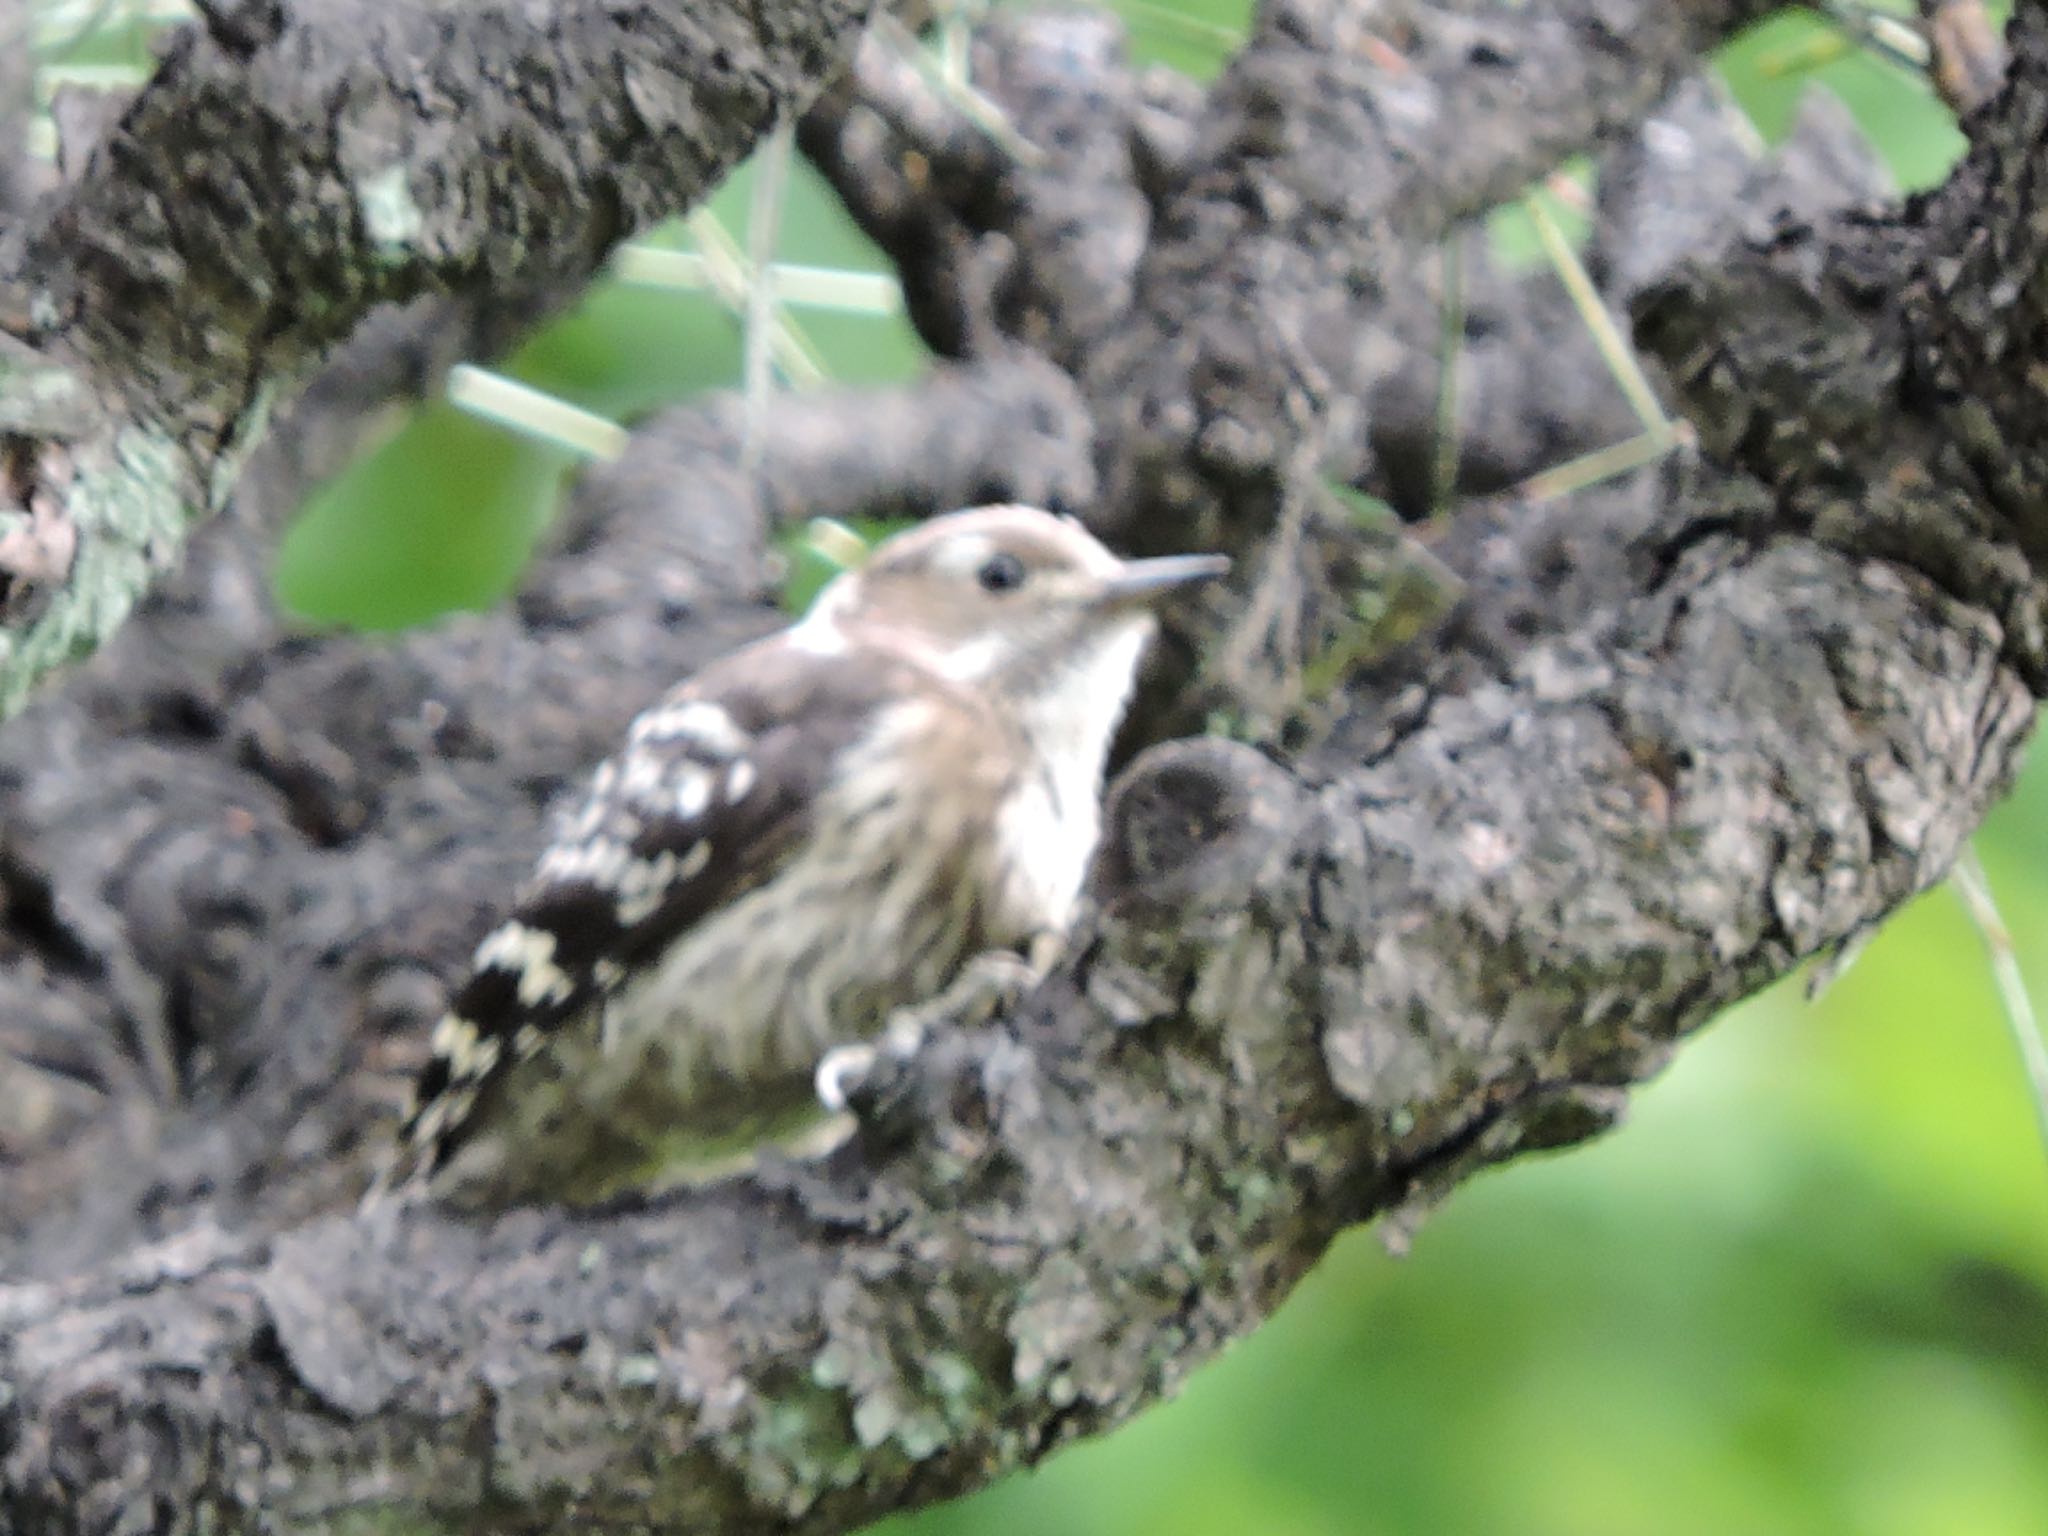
(969, 663)
(818, 635)
(819, 632)
(1049, 827)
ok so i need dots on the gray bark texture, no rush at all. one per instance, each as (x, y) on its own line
(1682, 732)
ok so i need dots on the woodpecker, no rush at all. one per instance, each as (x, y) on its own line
(807, 837)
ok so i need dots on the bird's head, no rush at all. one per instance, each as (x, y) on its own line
(1011, 599)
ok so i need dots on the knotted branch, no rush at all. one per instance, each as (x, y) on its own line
(1687, 731)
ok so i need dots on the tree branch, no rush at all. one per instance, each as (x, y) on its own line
(1337, 137)
(419, 150)
(17, 101)
(1687, 731)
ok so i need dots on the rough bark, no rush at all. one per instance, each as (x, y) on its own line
(288, 170)
(1684, 732)
(16, 102)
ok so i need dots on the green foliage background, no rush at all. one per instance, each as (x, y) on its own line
(1805, 1290)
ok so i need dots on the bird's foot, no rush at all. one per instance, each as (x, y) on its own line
(986, 985)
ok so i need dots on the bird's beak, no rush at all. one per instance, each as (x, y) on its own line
(1145, 581)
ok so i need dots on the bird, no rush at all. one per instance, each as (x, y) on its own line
(894, 799)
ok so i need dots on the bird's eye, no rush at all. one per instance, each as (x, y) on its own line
(1000, 573)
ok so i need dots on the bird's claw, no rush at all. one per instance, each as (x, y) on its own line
(986, 985)
(843, 1074)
